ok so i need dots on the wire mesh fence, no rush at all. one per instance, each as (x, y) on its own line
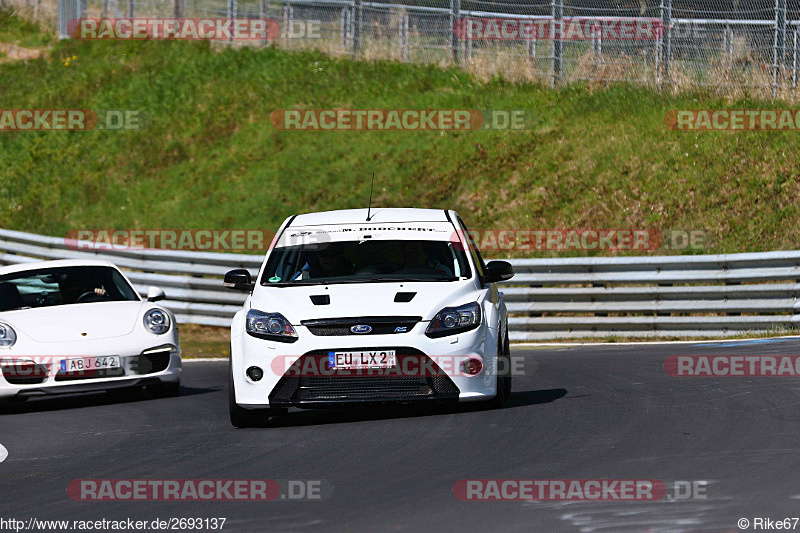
(735, 47)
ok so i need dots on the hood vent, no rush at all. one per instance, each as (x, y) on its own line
(403, 297)
(320, 299)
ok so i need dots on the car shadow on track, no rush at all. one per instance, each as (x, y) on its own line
(93, 399)
(313, 417)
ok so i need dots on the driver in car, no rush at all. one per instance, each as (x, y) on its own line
(73, 287)
(415, 255)
(330, 262)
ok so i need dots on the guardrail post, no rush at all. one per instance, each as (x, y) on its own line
(557, 8)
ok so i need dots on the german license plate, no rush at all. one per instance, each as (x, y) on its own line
(80, 364)
(359, 360)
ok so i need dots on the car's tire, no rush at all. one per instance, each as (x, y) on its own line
(247, 418)
(9, 403)
(504, 373)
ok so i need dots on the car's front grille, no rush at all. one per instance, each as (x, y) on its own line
(20, 373)
(296, 387)
(362, 388)
(378, 325)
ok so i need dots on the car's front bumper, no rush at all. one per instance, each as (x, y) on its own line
(45, 377)
(279, 389)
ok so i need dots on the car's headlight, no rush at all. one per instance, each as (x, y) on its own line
(270, 326)
(452, 320)
(7, 336)
(157, 321)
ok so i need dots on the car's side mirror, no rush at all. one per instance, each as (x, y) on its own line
(239, 280)
(155, 294)
(498, 271)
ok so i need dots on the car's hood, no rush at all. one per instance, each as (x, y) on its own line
(87, 321)
(362, 299)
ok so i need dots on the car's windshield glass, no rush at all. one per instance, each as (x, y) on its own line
(366, 261)
(64, 285)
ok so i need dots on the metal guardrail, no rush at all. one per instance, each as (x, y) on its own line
(705, 295)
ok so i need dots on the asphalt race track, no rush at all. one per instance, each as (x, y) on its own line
(581, 412)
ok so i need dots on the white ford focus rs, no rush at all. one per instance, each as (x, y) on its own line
(352, 306)
(76, 326)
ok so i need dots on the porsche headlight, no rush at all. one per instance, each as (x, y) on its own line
(451, 320)
(156, 321)
(7, 336)
(270, 326)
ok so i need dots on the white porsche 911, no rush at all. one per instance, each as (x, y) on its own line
(76, 326)
(352, 306)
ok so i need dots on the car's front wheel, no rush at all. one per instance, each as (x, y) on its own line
(246, 418)
(503, 372)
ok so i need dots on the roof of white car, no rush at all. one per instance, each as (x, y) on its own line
(377, 215)
(10, 269)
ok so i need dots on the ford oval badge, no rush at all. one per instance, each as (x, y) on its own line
(360, 329)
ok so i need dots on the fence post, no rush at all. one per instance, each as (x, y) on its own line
(597, 43)
(343, 28)
(231, 14)
(531, 44)
(775, 53)
(67, 10)
(359, 19)
(455, 10)
(666, 53)
(780, 20)
(263, 14)
(557, 7)
(131, 9)
(402, 35)
(177, 8)
(794, 59)
(465, 29)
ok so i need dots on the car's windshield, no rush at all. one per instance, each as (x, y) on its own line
(65, 285)
(366, 261)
